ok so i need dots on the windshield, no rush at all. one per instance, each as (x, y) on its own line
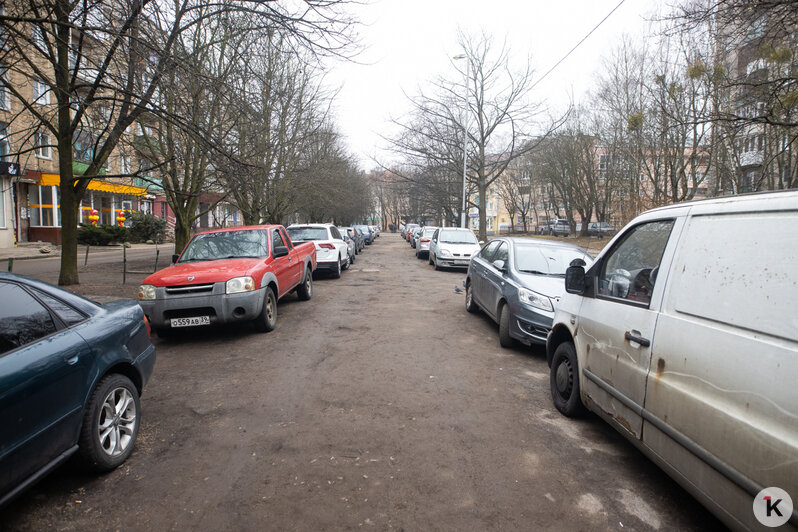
(226, 245)
(303, 234)
(428, 231)
(546, 260)
(457, 237)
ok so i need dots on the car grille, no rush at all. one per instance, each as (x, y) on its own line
(189, 312)
(189, 289)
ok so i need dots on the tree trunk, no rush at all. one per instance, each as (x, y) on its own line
(482, 188)
(69, 229)
(182, 233)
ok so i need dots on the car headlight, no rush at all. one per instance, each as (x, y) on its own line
(146, 292)
(240, 284)
(445, 252)
(534, 299)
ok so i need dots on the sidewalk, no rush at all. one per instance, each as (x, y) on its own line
(30, 250)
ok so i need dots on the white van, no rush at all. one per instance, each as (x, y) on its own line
(683, 335)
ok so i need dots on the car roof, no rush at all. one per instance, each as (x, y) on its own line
(755, 201)
(523, 241)
(240, 228)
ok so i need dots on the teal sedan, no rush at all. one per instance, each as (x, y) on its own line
(71, 374)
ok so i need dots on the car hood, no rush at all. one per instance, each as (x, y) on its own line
(213, 271)
(550, 286)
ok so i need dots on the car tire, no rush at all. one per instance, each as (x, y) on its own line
(504, 326)
(429, 257)
(352, 259)
(470, 305)
(437, 268)
(267, 319)
(305, 290)
(564, 381)
(347, 263)
(110, 423)
(337, 273)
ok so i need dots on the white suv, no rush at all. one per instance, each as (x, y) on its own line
(332, 252)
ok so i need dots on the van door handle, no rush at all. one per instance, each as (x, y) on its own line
(634, 336)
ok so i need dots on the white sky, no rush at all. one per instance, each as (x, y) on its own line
(410, 42)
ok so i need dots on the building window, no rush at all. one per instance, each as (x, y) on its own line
(43, 204)
(41, 92)
(124, 164)
(4, 147)
(5, 97)
(41, 145)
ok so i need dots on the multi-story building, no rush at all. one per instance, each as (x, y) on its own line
(29, 175)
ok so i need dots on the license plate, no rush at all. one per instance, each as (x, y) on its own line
(190, 322)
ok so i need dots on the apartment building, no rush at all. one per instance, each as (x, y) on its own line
(29, 168)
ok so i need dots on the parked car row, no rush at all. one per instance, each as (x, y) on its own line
(679, 335)
(72, 370)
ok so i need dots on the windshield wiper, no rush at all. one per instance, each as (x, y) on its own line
(536, 272)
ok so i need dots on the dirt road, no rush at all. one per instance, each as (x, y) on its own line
(379, 404)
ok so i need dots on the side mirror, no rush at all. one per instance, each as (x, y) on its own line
(175, 257)
(500, 265)
(575, 277)
(280, 251)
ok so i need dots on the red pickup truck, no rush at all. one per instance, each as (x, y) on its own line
(229, 275)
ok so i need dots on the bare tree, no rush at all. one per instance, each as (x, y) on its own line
(493, 109)
(115, 53)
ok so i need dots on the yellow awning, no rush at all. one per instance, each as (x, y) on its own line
(96, 184)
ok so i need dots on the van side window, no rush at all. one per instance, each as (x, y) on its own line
(630, 270)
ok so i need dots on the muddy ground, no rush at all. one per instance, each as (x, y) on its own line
(379, 404)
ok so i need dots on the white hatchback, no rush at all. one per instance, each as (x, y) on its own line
(452, 247)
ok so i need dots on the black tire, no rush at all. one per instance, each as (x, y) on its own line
(305, 290)
(352, 259)
(437, 268)
(564, 381)
(504, 327)
(110, 423)
(470, 305)
(267, 319)
(337, 273)
(430, 258)
(347, 263)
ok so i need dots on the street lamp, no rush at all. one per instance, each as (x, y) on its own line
(465, 136)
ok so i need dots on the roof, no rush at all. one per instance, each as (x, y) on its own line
(240, 228)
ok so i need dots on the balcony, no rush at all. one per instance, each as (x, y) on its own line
(751, 158)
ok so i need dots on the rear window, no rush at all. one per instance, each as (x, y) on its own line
(304, 234)
(739, 269)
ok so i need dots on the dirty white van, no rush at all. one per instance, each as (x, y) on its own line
(683, 335)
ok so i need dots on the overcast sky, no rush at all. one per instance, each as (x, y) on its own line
(409, 42)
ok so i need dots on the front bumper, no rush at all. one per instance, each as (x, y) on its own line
(213, 302)
(453, 262)
(529, 326)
